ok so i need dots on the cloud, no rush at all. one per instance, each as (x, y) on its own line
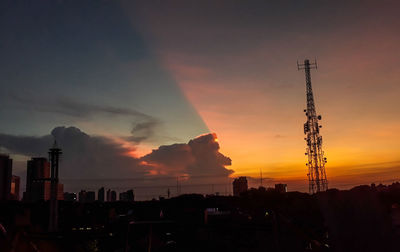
(173, 159)
(97, 157)
(26, 145)
(84, 156)
(144, 126)
(69, 107)
(143, 130)
(199, 157)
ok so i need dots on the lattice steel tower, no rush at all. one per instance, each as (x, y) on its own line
(316, 160)
(54, 155)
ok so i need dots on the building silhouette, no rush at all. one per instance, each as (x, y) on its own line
(127, 196)
(15, 185)
(100, 195)
(281, 188)
(38, 182)
(37, 179)
(82, 196)
(111, 196)
(239, 186)
(5, 176)
(90, 196)
(108, 195)
(69, 196)
(87, 196)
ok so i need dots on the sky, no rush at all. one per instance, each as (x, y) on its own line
(138, 82)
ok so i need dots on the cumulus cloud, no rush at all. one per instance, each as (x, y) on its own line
(86, 156)
(26, 145)
(94, 156)
(173, 159)
(199, 157)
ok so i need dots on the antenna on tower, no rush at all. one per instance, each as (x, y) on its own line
(54, 156)
(316, 160)
(261, 178)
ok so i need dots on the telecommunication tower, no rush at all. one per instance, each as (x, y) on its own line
(54, 155)
(316, 160)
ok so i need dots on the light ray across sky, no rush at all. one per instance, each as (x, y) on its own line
(144, 75)
(238, 67)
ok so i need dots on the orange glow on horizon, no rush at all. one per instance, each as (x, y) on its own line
(252, 96)
(254, 141)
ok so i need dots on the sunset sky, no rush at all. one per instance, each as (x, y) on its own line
(142, 75)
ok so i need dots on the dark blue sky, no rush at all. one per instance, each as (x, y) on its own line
(84, 53)
(134, 75)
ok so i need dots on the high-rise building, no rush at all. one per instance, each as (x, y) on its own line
(38, 184)
(108, 195)
(60, 191)
(86, 196)
(100, 195)
(15, 184)
(281, 188)
(82, 196)
(37, 179)
(239, 186)
(90, 196)
(122, 196)
(41, 190)
(130, 195)
(69, 196)
(5, 176)
(111, 196)
(127, 196)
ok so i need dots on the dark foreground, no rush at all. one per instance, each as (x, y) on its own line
(361, 219)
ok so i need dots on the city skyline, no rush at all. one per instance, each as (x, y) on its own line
(134, 82)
